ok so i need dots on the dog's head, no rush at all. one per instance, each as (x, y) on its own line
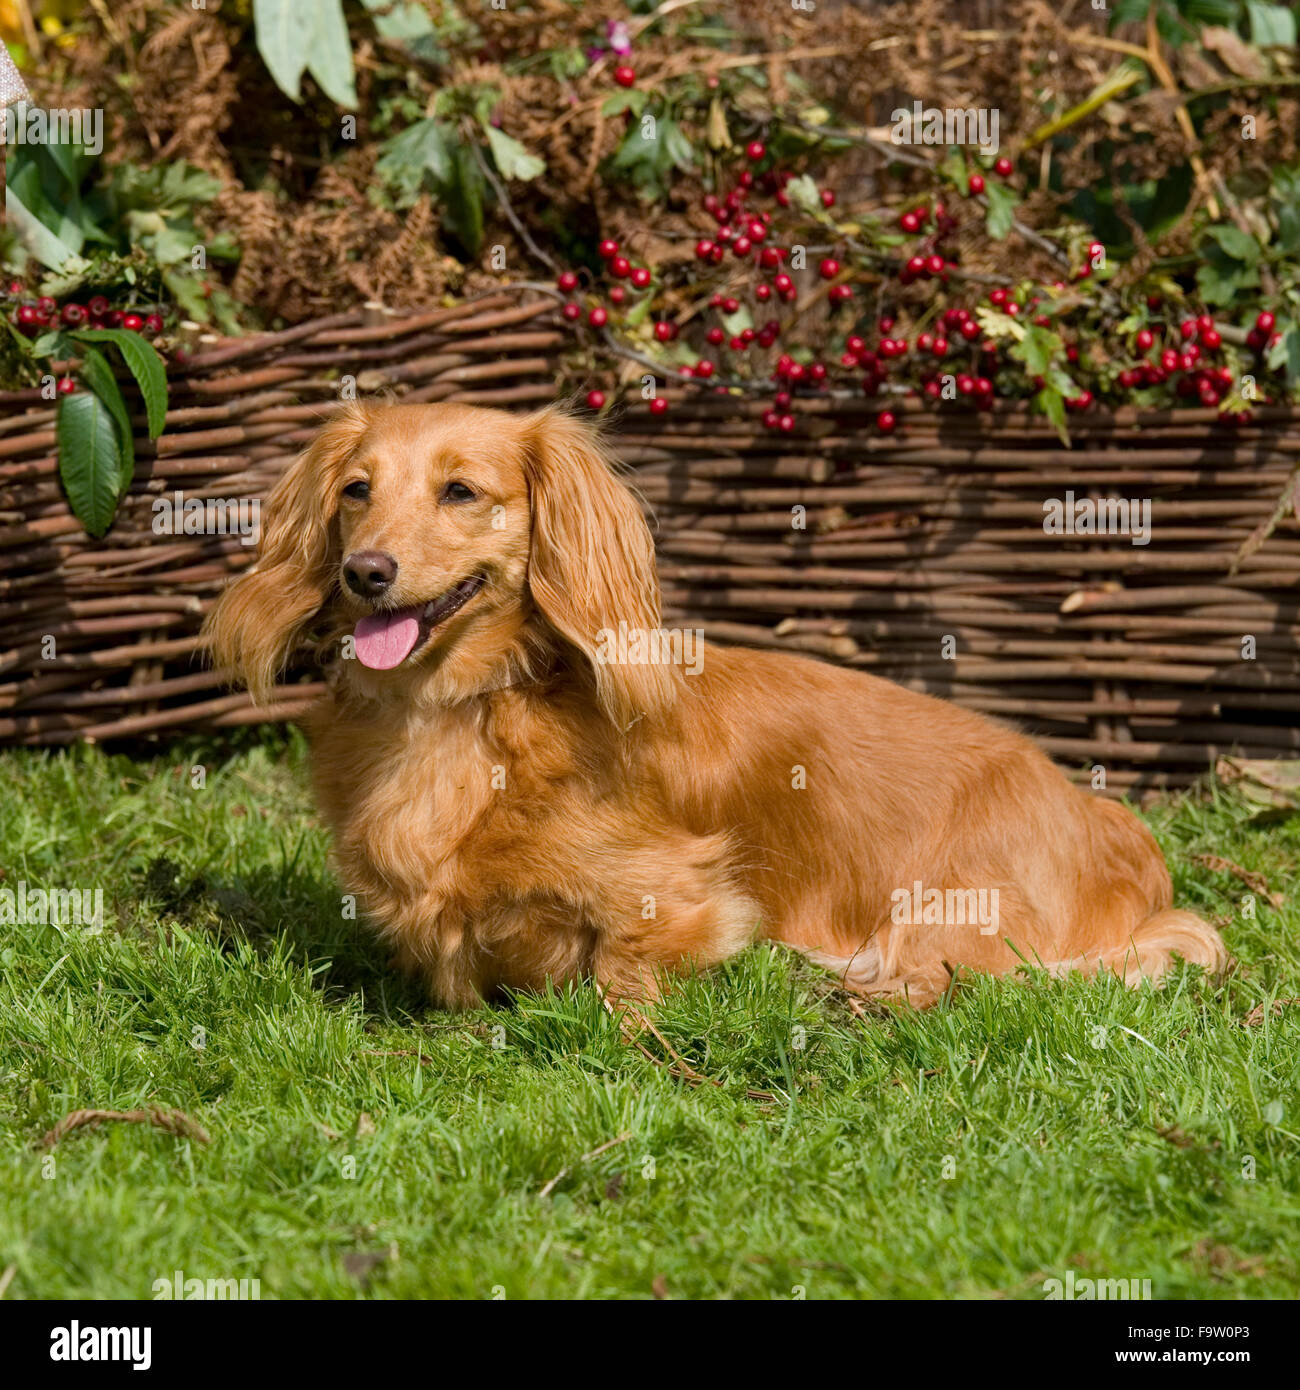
(448, 539)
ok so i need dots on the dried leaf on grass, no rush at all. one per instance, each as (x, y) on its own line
(1257, 883)
(173, 1121)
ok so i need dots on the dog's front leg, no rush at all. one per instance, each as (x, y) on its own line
(670, 906)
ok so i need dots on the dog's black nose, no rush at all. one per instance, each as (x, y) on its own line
(369, 572)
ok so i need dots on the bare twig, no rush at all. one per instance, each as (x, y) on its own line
(173, 1121)
(586, 1158)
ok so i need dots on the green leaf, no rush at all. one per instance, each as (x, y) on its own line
(98, 375)
(619, 102)
(463, 210)
(1241, 246)
(90, 460)
(1286, 353)
(804, 193)
(144, 364)
(407, 23)
(284, 37)
(48, 248)
(419, 154)
(1002, 209)
(511, 158)
(1220, 279)
(329, 58)
(677, 146)
(1271, 24)
(1052, 403)
(1037, 350)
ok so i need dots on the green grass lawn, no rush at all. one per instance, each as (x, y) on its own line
(364, 1145)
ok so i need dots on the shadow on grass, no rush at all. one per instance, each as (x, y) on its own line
(291, 907)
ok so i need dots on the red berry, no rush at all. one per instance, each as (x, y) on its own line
(595, 400)
(625, 76)
(73, 314)
(17, 287)
(1145, 338)
(665, 331)
(46, 305)
(620, 267)
(1002, 167)
(763, 293)
(829, 268)
(940, 348)
(770, 419)
(27, 316)
(617, 294)
(641, 277)
(730, 305)
(715, 336)
(567, 281)
(742, 246)
(66, 386)
(910, 222)
(975, 184)
(755, 150)
(970, 330)
(704, 368)
(571, 312)
(840, 293)
(658, 405)
(828, 197)
(1265, 322)
(153, 323)
(133, 323)
(786, 423)
(934, 264)
(784, 284)
(598, 317)
(703, 250)
(1211, 338)
(886, 421)
(915, 265)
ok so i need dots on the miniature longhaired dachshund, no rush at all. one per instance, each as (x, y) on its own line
(514, 797)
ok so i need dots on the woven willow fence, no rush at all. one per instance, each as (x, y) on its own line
(124, 612)
(923, 557)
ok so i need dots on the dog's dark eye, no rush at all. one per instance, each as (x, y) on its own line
(359, 490)
(457, 492)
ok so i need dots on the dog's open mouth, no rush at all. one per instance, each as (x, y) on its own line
(384, 640)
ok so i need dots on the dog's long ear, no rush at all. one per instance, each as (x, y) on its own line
(592, 563)
(255, 625)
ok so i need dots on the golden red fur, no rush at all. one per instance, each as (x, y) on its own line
(509, 807)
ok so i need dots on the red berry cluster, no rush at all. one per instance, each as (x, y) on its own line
(942, 353)
(1184, 359)
(35, 316)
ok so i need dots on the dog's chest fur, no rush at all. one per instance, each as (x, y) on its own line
(432, 819)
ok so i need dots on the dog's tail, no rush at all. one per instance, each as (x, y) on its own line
(1149, 952)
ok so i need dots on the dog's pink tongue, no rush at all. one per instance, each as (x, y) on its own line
(384, 640)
